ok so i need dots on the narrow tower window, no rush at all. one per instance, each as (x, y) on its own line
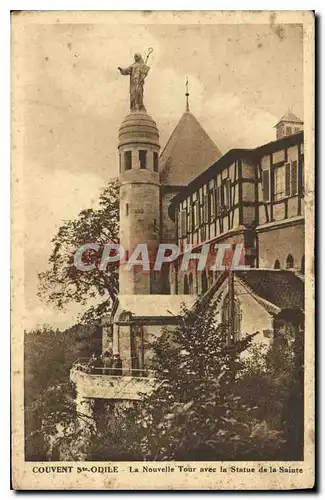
(155, 161)
(127, 160)
(142, 158)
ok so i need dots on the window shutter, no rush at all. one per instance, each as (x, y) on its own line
(287, 179)
(212, 204)
(228, 190)
(266, 185)
(206, 208)
(190, 219)
(218, 200)
(196, 215)
(180, 223)
(294, 178)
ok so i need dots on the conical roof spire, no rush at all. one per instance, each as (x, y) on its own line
(188, 152)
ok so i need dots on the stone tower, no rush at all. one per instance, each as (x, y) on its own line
(288, 125)
(139, 198)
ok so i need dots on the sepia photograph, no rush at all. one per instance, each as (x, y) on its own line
(163, 250)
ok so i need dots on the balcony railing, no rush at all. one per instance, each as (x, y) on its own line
(84, 365)
(111, 383)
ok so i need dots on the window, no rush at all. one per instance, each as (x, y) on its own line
(127, 160)
(196, 215)
(155, 161)
(231, 317)
(266, 185)
(212, 205)
(218, 200)
(126, 209)
(291, 178)
(119, 163)
(204, 282)
(279, 183)
(181, 223)
(186, 289)
(142, 158)
(289, 130)
(277, 264)
(226, 194)
(189, 218)
(290, 261)
(205, 209)
(296, 129)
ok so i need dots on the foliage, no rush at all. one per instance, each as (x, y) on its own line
(64, 283)
(50, 412)
(196, 412)
(272, 380)
(210, 403)
(117, 434)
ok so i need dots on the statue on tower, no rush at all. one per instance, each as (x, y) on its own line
(138, 72)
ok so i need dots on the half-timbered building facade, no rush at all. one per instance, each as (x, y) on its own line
(250, 197)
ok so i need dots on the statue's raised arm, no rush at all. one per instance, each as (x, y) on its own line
(138, 72)
(125, 71)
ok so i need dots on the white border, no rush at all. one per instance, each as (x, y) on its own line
(5, 8)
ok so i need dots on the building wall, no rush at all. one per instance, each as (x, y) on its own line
(265, 187)
(280, 185)
(278, 242)
(168, 226)
(253, 316)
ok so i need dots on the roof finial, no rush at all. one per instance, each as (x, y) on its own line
(187, 95)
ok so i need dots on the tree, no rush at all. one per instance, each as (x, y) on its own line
(52, 421)
(273, 381)
(64, 283)
(195, 412)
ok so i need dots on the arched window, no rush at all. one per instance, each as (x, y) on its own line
(277, 264)
(302, 267)
(231, 317)
(204, 281)
(186, 289)
(289, 261)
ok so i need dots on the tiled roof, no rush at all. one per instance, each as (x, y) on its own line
(282, 288)
(290, 117)
(188, 152)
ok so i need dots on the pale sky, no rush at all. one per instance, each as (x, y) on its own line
(242, 79)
